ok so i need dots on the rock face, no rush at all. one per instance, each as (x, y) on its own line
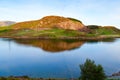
(6, 23)
(51, 22)
(70, 25)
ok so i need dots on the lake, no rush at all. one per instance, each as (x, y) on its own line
(56, 58)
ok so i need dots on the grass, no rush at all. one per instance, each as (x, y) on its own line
(28, 78)
(43, 33)
(5, 28)
(112, 79)
(105, 31)
(58, 33)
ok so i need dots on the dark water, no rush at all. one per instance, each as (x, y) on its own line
(56, 58)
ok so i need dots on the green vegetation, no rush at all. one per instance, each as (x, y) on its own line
(91, 71)
(28, 78)
(59, 33)
(113, 79)
(56, 33)
(4, 28)
(106, 31)
(93, 26)
(57, 27)
(75, 20)
(103, 31)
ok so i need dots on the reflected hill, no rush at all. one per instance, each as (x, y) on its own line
(52, 45)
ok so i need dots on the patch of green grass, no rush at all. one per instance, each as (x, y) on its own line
(57, 33)
(28, 78)
(91, 35)
(43, 33)
(105, 31)
(4, 28)
(112, 79)
(23, 32)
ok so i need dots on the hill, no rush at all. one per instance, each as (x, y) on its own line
(51, 22)
(6, 23)
(57, 27)
(103, 30)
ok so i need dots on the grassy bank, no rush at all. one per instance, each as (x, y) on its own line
(54, 33)
(28, 78)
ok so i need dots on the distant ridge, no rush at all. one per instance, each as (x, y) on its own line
(6, 23)
(51, 22)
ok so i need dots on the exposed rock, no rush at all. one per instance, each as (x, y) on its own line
(116, 74)
(70, 25)
(51, 22)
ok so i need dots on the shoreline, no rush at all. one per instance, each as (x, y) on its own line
(31, 78)
(101, 37)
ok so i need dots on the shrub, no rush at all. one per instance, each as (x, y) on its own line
(93, 26)
(91, 71)
(75, 20)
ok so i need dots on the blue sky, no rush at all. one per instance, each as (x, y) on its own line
(100, 12)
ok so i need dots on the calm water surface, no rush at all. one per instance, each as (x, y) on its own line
(55, 58)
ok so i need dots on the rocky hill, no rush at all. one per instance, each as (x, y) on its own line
(51, 22)
(6, 23)
(57, 27)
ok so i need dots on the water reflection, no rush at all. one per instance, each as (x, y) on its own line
(52, 45)
(109, 40)
(55, 45)
(17, 58)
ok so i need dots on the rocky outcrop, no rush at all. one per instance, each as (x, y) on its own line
(70, 25)
(51, 22)
(116, 74)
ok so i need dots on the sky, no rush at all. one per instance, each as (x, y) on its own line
(97, 12)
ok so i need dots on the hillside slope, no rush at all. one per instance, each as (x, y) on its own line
(56, 27)
(51, 22)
